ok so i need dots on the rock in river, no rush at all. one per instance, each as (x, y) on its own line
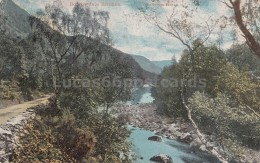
(161, 158)
(155, 138)
(186, 138)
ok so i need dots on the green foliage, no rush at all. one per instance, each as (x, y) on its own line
(81, 102)
(208, 62)
(168, 99)
(113, 75)
(17, 66)
(24, 84)
(37, 144)
(226, 119)
(9, 91)
(10, 58)
(243, 58)
(54, 139)
(112, 144)
(111, 134)
(240, 85)
(220, 76)
(207, 66)
(77, 142)
(72, 128)
(228, 105)
(76, 131)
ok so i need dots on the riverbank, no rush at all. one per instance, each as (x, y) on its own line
(145, 116)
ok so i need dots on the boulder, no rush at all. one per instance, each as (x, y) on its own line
(187, 138)
(178, 134)
(155, 138)
(196, 143)
(161, 158)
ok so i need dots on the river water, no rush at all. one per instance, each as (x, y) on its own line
(144, 149)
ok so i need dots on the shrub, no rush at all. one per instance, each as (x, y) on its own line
(110, 132)
(37, 144)
(226, 119)
(54, 140)
(240, 85)
(112, 144)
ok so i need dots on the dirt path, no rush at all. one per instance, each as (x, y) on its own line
(11, 111)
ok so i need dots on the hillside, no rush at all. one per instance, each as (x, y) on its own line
(146, 64)
(18, 25)
(17, 20)
(164, 63)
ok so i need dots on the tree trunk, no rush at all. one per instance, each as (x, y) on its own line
(250, 40)
(214, 151)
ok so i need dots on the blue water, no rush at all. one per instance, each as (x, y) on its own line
(141, 96)
(146, 98)
(142, 147)
(179, 152)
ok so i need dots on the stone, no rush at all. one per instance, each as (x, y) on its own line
(5, 131)
(186, 138)
(155, 138)
(161, 158)
(2, 145)
(178, 134)
(203, 148)
(196, 143)
(8, 134)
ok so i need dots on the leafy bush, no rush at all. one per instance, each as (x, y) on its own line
(54, 139)
(240, 85)
(226, 119)
(112, 144)
(81, 102)
(9, 90)
(110, 132)
(37, 144)
(227, 107)
(208, 63)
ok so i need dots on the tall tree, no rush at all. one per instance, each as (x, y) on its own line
(192, 34)
(180, 24)
(71, 38)
(247, 20)
(114, 87)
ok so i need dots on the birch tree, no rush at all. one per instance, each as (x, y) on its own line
(246, 17)
(188, 26)
(64, 37)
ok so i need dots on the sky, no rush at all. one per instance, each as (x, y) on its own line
(130, 32)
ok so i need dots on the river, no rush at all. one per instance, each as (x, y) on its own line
(144, 149)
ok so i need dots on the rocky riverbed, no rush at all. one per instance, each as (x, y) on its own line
(145, 116)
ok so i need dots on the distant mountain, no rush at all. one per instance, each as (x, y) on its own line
(164, 63)
(146, 64)
(17, 20)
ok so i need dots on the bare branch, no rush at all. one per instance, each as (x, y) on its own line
(229, 6)
(255, 113)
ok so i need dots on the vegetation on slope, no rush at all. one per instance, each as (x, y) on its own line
(77, 125)
(224, 96)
